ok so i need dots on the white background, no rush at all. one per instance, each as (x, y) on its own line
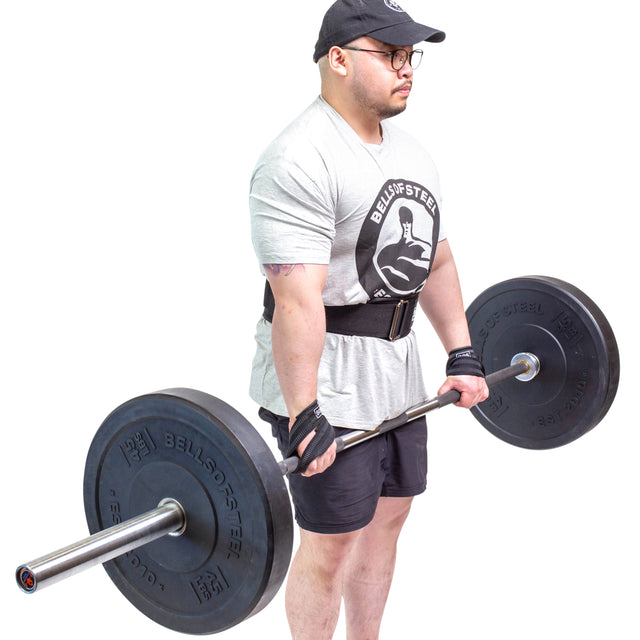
(128, 132)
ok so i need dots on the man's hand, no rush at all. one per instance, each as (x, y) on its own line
(473, 390)
(312, 438)
(321, 463)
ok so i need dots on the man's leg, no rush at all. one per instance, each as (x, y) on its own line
(314, 585)
(370, 568)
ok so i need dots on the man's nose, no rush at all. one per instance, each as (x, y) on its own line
(406, 71)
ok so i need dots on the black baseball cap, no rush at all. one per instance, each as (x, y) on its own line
(383, 20)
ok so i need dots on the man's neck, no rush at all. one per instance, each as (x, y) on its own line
(367, 128)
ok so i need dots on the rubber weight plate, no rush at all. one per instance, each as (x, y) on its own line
(579, 361)
(196, 449)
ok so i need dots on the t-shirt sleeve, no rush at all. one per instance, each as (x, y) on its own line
(292, 216)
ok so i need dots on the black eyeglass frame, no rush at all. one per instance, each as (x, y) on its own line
(392, 55)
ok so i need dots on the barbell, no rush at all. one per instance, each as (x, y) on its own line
(188, 509)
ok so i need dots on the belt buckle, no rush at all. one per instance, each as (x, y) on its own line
(396, 322)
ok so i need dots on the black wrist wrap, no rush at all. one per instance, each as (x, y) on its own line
(464, 362)
(310, 420)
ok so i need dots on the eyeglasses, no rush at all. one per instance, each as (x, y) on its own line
(398, 57)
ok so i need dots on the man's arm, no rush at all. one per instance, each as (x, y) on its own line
(441, 300)
(297, 337)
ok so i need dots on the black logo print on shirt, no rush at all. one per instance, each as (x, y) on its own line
(398, 239)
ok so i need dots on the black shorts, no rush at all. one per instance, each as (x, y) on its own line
(344, 498)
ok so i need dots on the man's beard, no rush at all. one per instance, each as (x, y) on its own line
(380, 109)
(390, 112)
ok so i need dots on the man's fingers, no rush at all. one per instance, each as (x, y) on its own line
(321, 463)
(473, 390)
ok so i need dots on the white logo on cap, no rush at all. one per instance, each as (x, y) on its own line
(394, 6)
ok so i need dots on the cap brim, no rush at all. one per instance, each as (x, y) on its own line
(407, 33)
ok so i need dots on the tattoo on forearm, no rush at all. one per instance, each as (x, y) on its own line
(282, 269)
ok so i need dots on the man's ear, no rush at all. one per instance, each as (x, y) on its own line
(338, 61)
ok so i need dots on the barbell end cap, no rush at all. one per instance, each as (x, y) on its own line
(289, 465)
(532, 361)
(26, 579)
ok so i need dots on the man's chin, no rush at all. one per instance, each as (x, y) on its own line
(391, 112)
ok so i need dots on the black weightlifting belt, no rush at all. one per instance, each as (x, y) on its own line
(386, 318)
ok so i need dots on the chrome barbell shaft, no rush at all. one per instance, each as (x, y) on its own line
(523, 366)
(169, 517)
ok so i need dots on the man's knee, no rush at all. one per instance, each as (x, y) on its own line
(327, 552)
(392, 513)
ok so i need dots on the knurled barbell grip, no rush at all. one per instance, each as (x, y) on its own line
(289, 465)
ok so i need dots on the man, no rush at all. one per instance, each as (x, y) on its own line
(346, 223)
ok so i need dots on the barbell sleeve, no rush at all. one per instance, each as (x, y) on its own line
(167, 518)
(517, 368)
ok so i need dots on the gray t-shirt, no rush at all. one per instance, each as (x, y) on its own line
(320, 195)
